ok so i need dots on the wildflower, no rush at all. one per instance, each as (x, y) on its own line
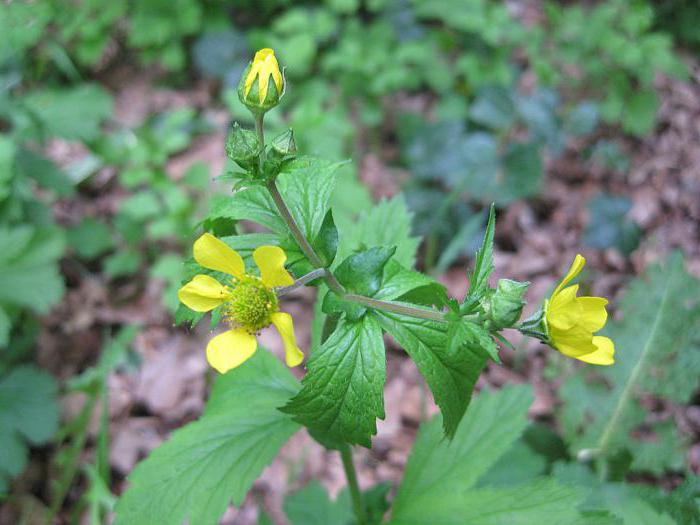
(249, 303)
(571, 321)
(258, 74)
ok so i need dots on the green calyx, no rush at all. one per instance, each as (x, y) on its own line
(252, 99)
(250, 305)
(536, 325)
(243, 146)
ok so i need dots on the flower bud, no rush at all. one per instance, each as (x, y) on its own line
(506, 303)
(283, 145)
(242, 146)
(262, 84)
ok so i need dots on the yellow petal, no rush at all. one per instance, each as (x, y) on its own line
(573, 342)
(593, 313)
(285, 326)
(604, 354)
(270, 260)
(215, 254)
(564, 311)
(264, 65)
(230, 349)
(202, 293)
(573, 272)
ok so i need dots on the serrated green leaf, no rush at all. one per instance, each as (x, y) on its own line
(342, 392)
(463, 334)
(29, 412)
(483, 265)
(312, 506)
(209, 463)
(385, 224)
(440, 477)
(656, 353)
(450, 372)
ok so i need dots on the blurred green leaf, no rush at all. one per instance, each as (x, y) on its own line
(609, 225)
(90, 238)
(439, 484)
(29, 275)
(312, 506)
(70, 113)
(29, 413)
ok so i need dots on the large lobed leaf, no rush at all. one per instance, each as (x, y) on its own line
(450, 371)
(342, 393)
(439, 485)
(207, 464)
(658, 353)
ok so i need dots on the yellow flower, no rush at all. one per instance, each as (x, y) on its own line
(263, 67)
(249, 303)
(571, 321)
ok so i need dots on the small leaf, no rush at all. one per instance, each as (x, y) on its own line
(400, 283)
(483, 266)
(463, 335)
(363, 272)
(342, 392)
(326, 242)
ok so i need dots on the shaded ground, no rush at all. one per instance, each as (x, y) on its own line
(535, 242)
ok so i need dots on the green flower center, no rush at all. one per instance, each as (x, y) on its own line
(250, 305)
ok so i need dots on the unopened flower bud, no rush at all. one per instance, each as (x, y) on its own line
(283, 145)
(506, 303)
(262, 84)
(242, 146)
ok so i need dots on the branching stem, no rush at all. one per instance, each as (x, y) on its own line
(313, 257)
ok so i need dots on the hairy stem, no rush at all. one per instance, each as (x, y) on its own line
(301, 281)
(355, 494)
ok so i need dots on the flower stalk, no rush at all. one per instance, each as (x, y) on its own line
(349, 467)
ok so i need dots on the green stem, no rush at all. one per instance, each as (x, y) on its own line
(355, 494)
(301, 281)
(260, 130)
(331, 280)
(397, 308)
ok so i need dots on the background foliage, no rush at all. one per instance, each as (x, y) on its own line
(469, 102)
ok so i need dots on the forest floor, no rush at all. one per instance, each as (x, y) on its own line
(535, 241)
